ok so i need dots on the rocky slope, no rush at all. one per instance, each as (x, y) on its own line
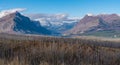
(16, 23)
(97, 23)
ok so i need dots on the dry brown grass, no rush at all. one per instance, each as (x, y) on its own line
(57, 51)
(98, 38)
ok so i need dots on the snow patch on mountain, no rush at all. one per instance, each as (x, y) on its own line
(90, 14)
(10, 11)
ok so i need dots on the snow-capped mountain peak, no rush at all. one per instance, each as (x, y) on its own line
(10, 11)
(54, 19)
(89, 14)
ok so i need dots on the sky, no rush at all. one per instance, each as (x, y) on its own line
(75, 8)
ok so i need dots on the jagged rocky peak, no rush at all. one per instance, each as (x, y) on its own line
(7, 12)
(14, 22)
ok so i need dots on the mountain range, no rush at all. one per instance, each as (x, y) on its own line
(13, 22)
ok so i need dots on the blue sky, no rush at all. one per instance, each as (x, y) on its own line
(72, 7)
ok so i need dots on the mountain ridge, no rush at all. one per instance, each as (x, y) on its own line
(96, 23)
(17, 23)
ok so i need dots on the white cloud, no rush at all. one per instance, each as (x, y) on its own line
(14, 10)
(7, 12)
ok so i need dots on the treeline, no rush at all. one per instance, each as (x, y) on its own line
(29, 50)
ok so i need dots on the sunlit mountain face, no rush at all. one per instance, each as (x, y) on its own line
(102, 24)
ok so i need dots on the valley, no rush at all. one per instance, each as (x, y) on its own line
(59, 32)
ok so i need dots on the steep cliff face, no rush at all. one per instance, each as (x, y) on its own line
(17, 23)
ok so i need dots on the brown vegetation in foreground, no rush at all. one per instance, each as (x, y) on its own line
(57, 51)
